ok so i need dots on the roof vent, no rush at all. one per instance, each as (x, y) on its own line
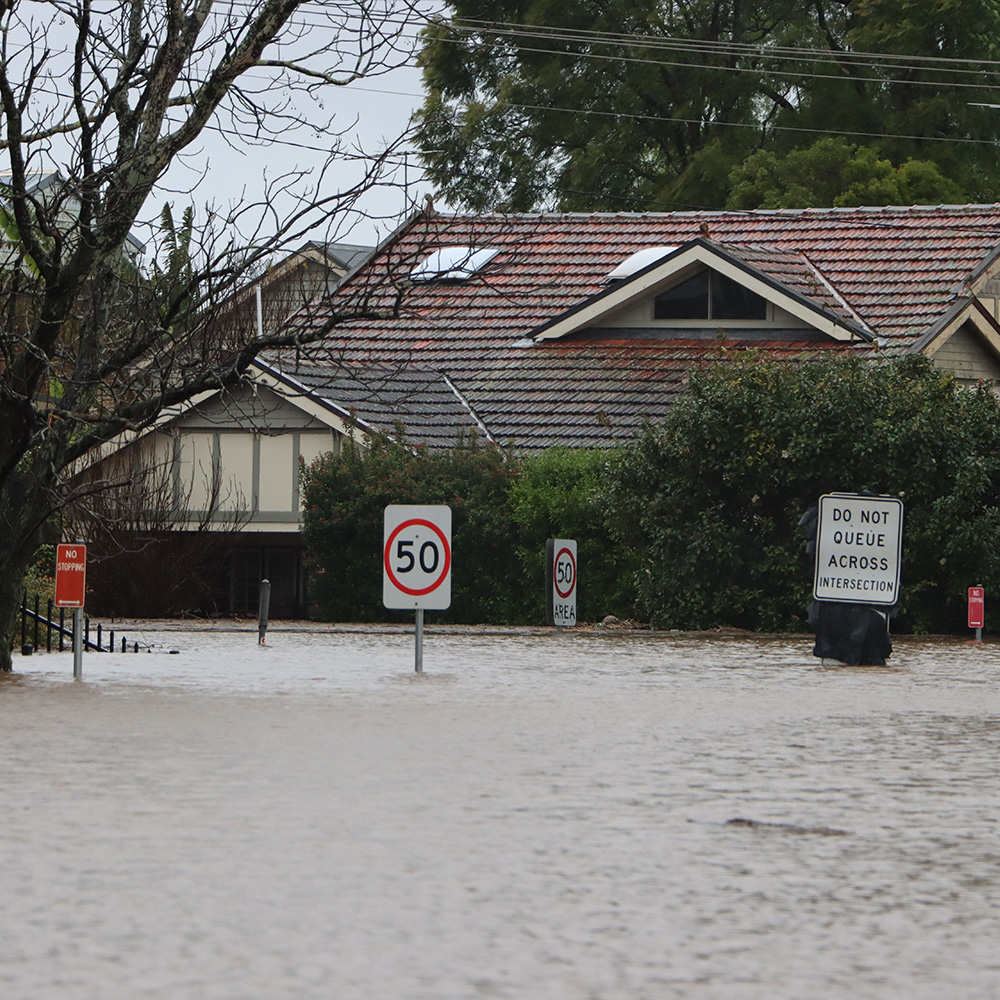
(453, 264)
(637, 261)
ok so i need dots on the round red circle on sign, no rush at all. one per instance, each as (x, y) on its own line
(555, 573)
(446, 561)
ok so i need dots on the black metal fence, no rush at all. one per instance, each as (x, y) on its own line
(49, 624)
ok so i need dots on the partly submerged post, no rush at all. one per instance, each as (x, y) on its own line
(77, 644)
(419, 645)
(265, 604)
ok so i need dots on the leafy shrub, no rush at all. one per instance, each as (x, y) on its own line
(559, 494)
(345, 496)
(711, 497)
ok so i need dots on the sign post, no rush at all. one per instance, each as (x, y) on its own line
(561, 574)
(977, 611)
(416, 562)
(71, 591)
(858, 545)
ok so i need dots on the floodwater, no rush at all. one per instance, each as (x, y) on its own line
(536, 817)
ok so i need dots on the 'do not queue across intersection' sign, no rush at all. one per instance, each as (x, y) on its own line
(858, 545)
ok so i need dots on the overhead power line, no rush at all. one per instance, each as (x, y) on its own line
(700, 50)
(717, 46)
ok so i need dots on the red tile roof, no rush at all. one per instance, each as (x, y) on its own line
(894, 271)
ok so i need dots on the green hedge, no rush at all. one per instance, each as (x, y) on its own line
(345, 497)
(503, 510)
(693, 524)
(711, 497)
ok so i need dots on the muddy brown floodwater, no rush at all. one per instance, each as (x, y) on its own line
(537, 817)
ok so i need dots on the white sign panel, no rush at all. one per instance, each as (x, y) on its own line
(858, 545)
(416, 556)
(563, 582)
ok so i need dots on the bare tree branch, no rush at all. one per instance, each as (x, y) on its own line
(98, 102)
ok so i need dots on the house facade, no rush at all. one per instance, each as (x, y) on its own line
(536, 331)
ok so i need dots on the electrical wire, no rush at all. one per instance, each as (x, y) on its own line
(715, 46)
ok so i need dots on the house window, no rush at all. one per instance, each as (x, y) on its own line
(709, 295)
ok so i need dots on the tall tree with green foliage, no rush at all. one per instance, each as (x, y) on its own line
(712, 496)
(638, 104)
(836, 173)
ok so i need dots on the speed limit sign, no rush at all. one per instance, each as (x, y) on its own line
(416, 556)
(561, 591)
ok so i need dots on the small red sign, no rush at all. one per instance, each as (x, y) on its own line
(71, 575)
(977, 607)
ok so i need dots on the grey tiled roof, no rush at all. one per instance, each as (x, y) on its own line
(385, 398)
(892, 273)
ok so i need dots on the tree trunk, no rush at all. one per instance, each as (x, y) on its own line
(24, 510)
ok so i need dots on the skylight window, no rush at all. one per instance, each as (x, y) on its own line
(453, 264)
(637, 261)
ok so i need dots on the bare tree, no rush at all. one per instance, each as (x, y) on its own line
(98, 101)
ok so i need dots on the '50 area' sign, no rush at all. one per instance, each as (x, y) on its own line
(560, 593)
(416, 556)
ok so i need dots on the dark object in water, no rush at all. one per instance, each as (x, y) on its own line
(821, 831)
(856, 634)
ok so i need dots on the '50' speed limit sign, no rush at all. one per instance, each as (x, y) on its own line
(416, 556)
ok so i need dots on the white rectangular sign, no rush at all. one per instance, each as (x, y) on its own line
(858, 545)
(416, 556)
(562, 570)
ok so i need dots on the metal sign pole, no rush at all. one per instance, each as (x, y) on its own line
(78, 644)
(419, 632)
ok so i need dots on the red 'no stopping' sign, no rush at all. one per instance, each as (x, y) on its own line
(977, 607)
(71, 575)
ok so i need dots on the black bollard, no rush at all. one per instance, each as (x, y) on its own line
(265, 604)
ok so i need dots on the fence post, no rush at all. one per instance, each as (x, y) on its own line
(48, 628)
(62, 629)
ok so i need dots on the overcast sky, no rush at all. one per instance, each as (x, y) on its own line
(375, 113)
(365, 117)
